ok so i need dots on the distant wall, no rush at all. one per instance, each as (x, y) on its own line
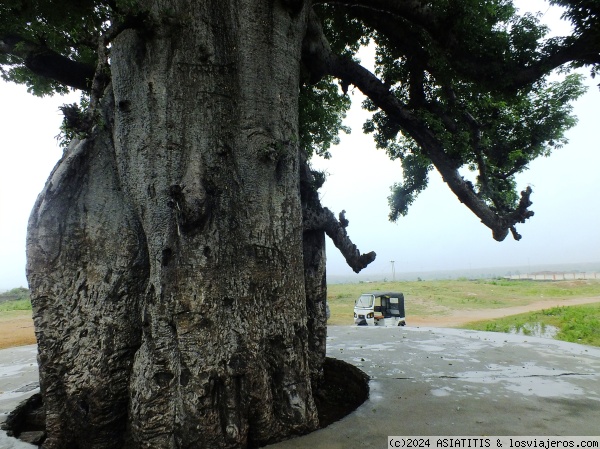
(555, 276)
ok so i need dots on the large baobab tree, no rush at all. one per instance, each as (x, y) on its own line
(176, 254)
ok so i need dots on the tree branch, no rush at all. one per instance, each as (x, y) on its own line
(432, 147)
(45, 62)
(418, 12)
(318, 52)
(405, 22)
(321, 218)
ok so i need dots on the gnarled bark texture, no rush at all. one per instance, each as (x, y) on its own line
(315, 277)
(88, 270)
(165, 254)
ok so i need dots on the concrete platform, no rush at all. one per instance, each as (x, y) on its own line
(435, 381)
(18, 381)
(427, 381)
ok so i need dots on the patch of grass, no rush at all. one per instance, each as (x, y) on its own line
(439, 298)
(14, 302)
(577, 324)
(19, 304)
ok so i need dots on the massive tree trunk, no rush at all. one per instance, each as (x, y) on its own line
(165, 254)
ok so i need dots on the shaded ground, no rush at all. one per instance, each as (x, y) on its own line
(344, 389)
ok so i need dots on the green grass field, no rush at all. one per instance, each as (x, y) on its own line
(14, 302)
(580, 324)
(577, 324)
(15, 309)
(439, 298)
(17, 305)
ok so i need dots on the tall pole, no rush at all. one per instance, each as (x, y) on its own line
(393, 270)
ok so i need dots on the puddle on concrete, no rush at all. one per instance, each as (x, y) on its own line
(546, 388)
(376, 392)
(527, 379)
(372, 347)
(440, 392)
(8, 395)
(9, 370)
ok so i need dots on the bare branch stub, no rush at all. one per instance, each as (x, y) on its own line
(319, 218)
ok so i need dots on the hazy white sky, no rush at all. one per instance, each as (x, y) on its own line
(439, 233)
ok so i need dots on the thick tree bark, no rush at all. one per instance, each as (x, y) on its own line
(87, 269)
(316, 302)
(315, 277)
(165, 254)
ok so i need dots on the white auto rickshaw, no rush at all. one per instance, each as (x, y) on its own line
(380, 309)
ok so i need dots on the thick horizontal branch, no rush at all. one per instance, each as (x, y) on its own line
(575, 52)
(402, 21)
(378, 92)
(45, 62)
(351, 72)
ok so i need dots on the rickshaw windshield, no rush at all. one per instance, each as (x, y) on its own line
(365, 301)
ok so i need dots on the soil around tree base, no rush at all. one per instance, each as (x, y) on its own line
(344, 389)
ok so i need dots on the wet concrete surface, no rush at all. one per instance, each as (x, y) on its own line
(436, 381)
(18, 381)
(426, 381)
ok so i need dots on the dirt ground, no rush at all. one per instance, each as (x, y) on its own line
(18, 330)
(461, 317)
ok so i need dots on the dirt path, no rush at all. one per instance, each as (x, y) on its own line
(461, 317)
(16, 331)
